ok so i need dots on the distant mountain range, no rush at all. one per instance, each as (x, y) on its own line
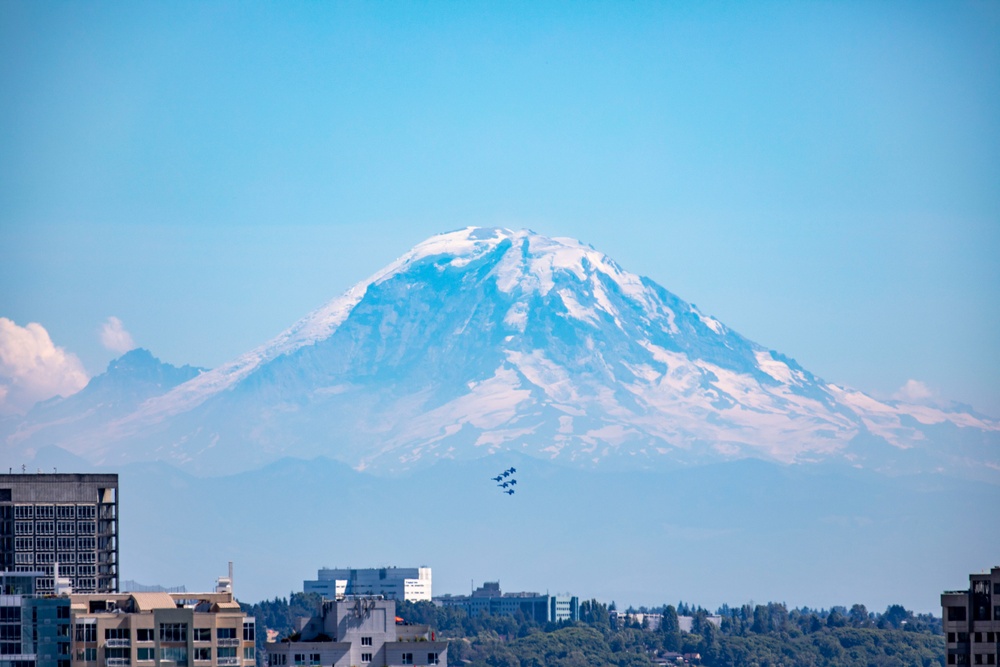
(483, 341)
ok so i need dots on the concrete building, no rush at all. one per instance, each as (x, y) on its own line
(488, 599)
(395, 583)
(69, 519)
(358, 630)
(161, 630)
(971, 620)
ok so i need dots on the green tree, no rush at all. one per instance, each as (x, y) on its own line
(670, 628)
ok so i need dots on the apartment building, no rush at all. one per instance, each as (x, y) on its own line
(358, 631)
(161, 630)
(971, 620)
(395, 583)
(69, 519)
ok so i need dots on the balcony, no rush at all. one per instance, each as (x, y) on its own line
(227, 642)
(228, 662)
(116, 662)
(118, 643)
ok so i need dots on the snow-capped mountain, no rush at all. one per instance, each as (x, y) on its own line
(482, 340)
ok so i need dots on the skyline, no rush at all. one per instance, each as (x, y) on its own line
(819, 178)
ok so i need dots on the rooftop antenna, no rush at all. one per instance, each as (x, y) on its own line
(230, 575)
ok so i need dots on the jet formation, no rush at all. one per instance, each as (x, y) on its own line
(505, 481)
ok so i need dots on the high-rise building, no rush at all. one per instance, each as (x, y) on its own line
(358, 631)
(69, 519)
(971, 621)
(397, 583)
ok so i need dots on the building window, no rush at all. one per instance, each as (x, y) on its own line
(144, 635)
(65, 528)
(86, 512)
(300, 658)
(174, 632)
(227, 652)
(407, 659)
(432, 659)
(277, 660)
(956, 613)
(24, 527)
(366, 641)
(66, 512)
(203, 653)
(24, 511)
(226, 633)
(45, 512)
(366, 657)
(86, 632)
(87, 654)
(85, 528)
(116, 656)
(144, 654)
(175, 654)
(248, 631)
(45, 527)
(202, 634)
(248, 653)
(117, 633)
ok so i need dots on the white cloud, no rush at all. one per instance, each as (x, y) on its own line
(33, 369)
(914, 391)
(115, 338)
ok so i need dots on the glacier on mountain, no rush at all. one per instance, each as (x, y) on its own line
(484, 339)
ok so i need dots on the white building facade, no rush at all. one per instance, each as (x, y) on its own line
(394, 583)
(358, 632)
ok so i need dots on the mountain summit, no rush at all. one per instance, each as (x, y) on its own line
(484, 340)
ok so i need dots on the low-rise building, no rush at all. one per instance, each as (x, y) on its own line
(161, 630)
(488, 599)
(358, 630)
(34, 629)
(971, 620)
(395, 583)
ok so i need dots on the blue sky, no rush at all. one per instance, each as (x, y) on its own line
(822, 177)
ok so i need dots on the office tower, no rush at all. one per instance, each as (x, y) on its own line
(69, 519)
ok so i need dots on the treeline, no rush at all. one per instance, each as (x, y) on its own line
(768, 635)
(751, 635)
